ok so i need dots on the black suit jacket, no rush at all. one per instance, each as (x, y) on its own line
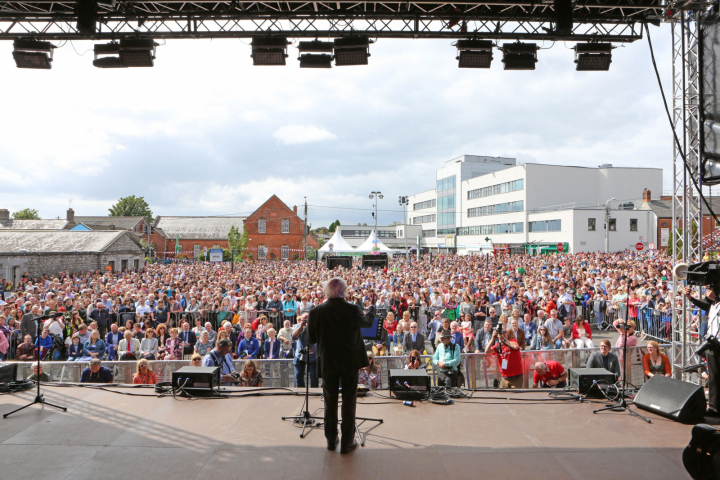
(192, 341)
(409, 345)
(335, 327)
(596, 361)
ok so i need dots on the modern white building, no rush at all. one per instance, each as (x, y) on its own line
(482, 203)
(392, 236)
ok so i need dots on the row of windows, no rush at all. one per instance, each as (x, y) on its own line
(491, 229)
(262, 226)
(366, 233)
(446, 203)
(445, 231)
(496, 189)
(428, 233)
(495, 209)
(545, 226)
(446, 184)
(263, 252)
(425, 204)
(424, 219)
(612, 224)
(447, 218)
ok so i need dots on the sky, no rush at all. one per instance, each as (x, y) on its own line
(205, 132)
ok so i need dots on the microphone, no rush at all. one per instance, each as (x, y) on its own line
(397, 382)
(407, 385)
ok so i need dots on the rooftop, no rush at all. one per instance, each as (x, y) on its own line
(123, 223)
(198, 228)
(64, 241)
(33, 224)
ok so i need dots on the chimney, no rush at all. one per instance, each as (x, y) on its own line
(4, 214)
(70, 215)
(295, 209)
(646, 197)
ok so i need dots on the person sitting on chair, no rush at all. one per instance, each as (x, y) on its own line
(447, 359)
(605, 359)
(413, 340)
(129, 347)
(371, 376)
(144, 375)
(250, 376)
(26, 350)
(413, 362)
(43, 344)
(96, 373)
(37, 369)
(75, 350)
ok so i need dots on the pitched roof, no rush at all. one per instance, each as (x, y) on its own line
(121, 223)
(198, 228)
(33, 224)
(64, 241)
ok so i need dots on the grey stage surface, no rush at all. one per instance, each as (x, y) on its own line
(105, 436)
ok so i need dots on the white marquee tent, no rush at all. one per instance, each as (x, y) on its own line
(371, 242)
(336, 245)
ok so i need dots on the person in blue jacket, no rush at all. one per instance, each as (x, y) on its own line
(272, 346)
(249, 347)
(43, 343)
(75, 350)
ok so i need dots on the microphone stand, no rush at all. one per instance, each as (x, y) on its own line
(623, 406)
(39, 399)
(305, 418)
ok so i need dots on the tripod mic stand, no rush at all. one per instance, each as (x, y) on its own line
(39, 399)
(305, 418)
(623, 406)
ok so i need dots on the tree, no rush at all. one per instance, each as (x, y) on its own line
(132, 206)
(333, 226)
(238, 241)
(26, 214)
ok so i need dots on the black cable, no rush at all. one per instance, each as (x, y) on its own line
(677, 140)
(14, 387)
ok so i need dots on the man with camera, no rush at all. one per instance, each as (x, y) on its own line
(711, 348)
(220, 357)
(447, 359)
(305, 355)
(503, 345)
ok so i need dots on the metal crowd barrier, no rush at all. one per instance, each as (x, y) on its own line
(480, 370)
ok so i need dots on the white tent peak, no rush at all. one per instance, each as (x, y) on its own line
(371, 242)
(339, 245)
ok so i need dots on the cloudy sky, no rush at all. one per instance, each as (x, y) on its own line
(206, 133)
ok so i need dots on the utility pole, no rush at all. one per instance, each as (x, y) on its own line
(404, 201)
(305, 233)
(375, 196)
(607, 224)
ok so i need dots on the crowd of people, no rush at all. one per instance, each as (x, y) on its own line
(441, 305)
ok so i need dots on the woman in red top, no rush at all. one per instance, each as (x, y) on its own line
(582, 335)
(390, 325)
(144, 375)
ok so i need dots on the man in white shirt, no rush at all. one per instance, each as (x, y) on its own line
(555, 328)
(55, 325)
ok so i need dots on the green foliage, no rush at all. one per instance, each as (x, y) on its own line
(26, 214)
(333, 226)
(132, 206)
(239, 242)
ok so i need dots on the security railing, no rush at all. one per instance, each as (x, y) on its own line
(480, 370)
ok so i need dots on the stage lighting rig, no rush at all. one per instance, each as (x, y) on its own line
(474, 53)
(519, 56)
(315, 54)
(86, 12)
(130, 52)
(269, 50)
(33, 54)
(593, 57)
(351, 51)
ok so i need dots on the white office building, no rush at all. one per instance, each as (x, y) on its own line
(480, 203)
(393, 236)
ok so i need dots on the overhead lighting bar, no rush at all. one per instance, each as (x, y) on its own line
(269, 50)
(519, 56)
(130, 52)
(315, 54)
(33, 54)
(351, 51)
(474, 53)
(593, 57)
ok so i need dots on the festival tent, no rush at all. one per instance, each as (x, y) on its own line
(336, 245)
(374, 244)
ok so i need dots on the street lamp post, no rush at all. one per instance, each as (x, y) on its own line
(375, 196)
(607, 224)
(404, 201)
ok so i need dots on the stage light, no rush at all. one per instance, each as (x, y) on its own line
(351, 51)
(86, 13)
(519, 56)
(107, 55)
(33, 54)
(474, 53)
(130, 52)
(315, 54)
(593, 57)
(563, 16)
(269, 50)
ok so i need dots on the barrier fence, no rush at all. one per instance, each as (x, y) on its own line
(480, 370)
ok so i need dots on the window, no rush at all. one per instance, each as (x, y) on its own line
(428, 233)
(446, 219)
(284, 252)
(446, 184)
(286, 226)
(495, 209)
(591, 224)
(424, 219)
(196, 250)
(385, 234)
(262, 252)
(262, 226)
(426, 204)
(506, 187)
(355, 233)
(633, 224)
(137, 264)
(516, 227)
(612, 225)
(545, 226)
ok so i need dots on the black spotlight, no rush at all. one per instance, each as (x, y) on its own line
(563, 16)
(519, 56)
(474, 53)
(315, 54)
(86, 12)
(33, 54)
(351, 51)
(702, 455)
(593, 57)
(269, 50)
(107, 55)
(130, 52)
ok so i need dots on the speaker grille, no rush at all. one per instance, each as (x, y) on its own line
(672, 398)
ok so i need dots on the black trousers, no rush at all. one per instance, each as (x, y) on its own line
(447, 379)
(331, 387)
(713, 366)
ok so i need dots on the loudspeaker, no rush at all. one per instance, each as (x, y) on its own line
(199, 381)
(375, 261)
(335, 261)
(583, 379)
(418, 380)
(8, 373)
(671, 398)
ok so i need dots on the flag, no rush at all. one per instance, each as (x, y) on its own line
(177, 243)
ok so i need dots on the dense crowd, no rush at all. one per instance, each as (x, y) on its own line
(181, 310)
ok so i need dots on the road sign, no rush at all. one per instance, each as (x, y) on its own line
(560, 247)
(216, 254)
(204, 249)
(639, 246)
(651, 246)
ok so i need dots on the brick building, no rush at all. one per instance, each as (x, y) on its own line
(663, 211)
(193, 233)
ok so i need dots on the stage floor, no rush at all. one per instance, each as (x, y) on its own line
(106, 435)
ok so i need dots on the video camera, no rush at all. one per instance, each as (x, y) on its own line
(711, 343)
(704, 273)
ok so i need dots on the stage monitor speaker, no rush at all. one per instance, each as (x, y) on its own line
(375, 261)
(418, 383)
(198, 381)
(337, 260)
(584, 379)
(671, 398)
(8, 373)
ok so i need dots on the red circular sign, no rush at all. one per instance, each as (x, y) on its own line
(560, 247)
(639, 246)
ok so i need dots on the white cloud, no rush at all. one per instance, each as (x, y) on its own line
(298, 134)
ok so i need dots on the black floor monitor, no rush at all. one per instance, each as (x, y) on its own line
(338, 260)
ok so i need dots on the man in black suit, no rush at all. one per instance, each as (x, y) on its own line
(605, 359)
(29, 324)
(335, 327)
(413, 340)
(188, 338)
